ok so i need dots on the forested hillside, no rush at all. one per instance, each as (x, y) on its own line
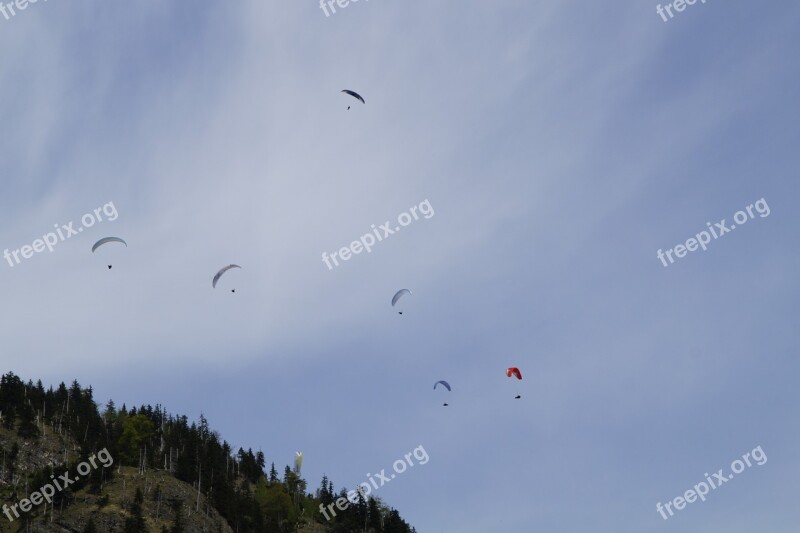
(143, 469)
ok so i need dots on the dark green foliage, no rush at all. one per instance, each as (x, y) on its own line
(233, 483)
(10, 462)
(135, 522)
(27, 422)
(395, 524)
(137, 431)
(178, 523)
(324, 494)
(374, 515)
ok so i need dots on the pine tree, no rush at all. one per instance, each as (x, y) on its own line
(110, 412)
(260, 462)
(27, 423)
(273, 474)
(177, 524)
(324, 495)
(8, 419)
(290, 480)
(135, 523)
(373, 515)
(11, 461)
(361, 508)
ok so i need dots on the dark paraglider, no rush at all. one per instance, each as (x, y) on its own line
(354, 95)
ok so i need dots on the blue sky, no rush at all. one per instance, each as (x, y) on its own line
(561, 144)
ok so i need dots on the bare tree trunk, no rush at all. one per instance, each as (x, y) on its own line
(199, 479)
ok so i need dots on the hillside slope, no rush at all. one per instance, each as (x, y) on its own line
(67, 466)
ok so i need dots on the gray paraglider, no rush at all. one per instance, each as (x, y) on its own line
(220, 273)
(399, 294)
(446, 385)
(106, 240)
(443, 382)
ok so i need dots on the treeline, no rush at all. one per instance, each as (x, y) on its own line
(235, 483)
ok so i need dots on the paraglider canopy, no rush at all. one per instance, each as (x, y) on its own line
(399, 294)
(220, 273)
(106, 240)
(446, 384)
(354, 95)
(298, 461)
(514, 371)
